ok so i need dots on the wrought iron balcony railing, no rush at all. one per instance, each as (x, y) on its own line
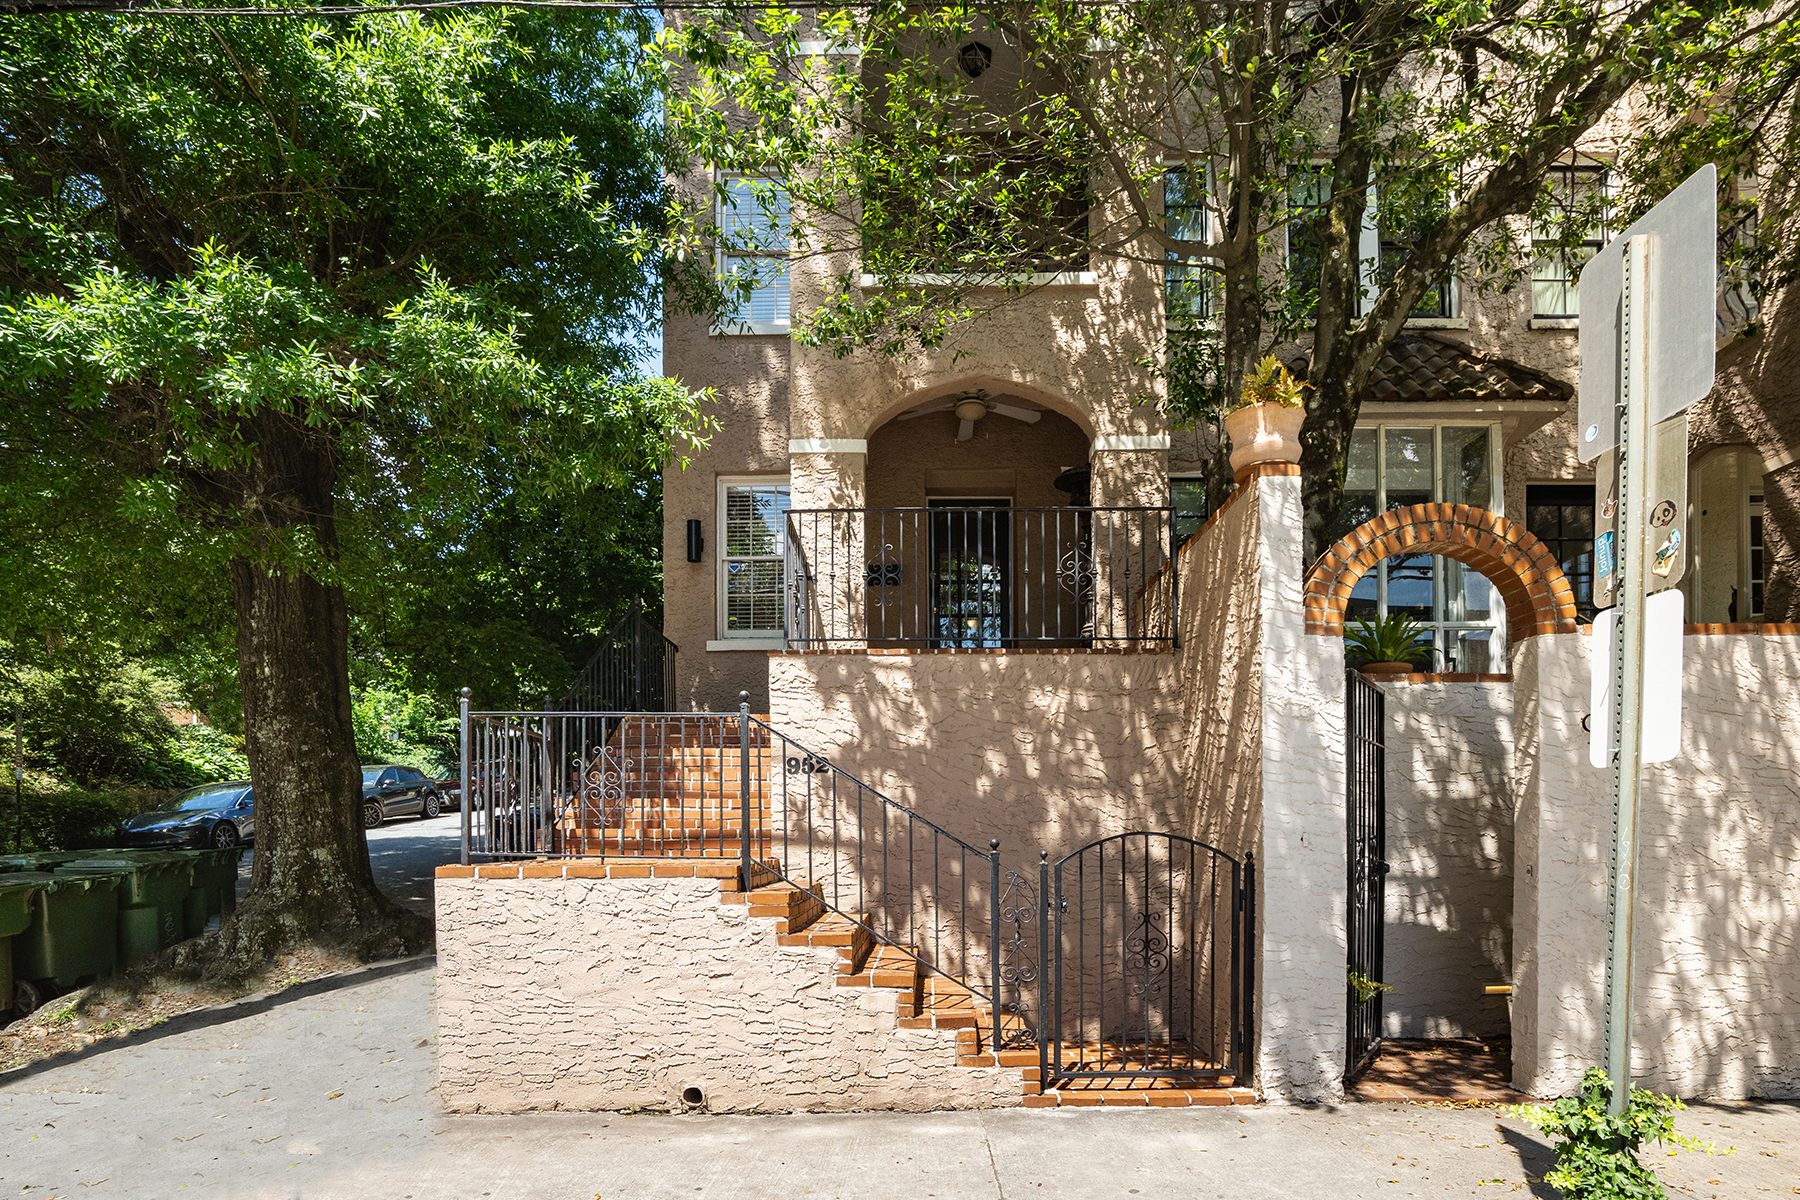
(980, 576)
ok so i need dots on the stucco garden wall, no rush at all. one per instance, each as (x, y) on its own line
(1718, 961)
(1448, 930)
(595, 994)
(946, 735)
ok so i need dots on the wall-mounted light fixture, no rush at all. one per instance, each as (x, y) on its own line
(696, 541)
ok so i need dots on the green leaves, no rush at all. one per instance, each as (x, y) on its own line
(1596, 1152)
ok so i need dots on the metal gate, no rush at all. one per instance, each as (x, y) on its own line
(1148, 971)
(1366, 805)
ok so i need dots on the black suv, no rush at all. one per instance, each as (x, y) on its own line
(396, 791)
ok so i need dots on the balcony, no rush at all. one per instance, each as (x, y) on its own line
(974, 576)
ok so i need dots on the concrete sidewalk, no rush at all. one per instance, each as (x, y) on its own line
(332, 1096)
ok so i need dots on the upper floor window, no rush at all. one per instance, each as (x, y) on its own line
(1395, 466)
(753, 229)
(1391, 223)
(1187, 280)
(753, 518)
(1569, 228)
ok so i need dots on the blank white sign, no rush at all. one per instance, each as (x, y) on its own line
(1683, 292)
(1662, 680)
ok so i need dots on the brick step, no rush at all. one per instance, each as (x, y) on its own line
(887, 967)
(652, 850)
(659, 829)
(793, 906)
(851, 940)
(1170, 1097)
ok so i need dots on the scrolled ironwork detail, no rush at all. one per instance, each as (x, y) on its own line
(1014, 1021)
(1146, 953)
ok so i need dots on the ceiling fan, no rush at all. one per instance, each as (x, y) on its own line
(970, 408)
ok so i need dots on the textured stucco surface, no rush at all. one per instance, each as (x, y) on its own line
(1718, 964)
(1448, 930)
(1302, 861)
(613, 993)
(1043, 751)
(1221, 677)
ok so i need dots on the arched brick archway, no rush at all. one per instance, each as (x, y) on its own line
(1537, 595)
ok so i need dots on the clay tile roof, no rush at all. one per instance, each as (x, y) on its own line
(1424, 368)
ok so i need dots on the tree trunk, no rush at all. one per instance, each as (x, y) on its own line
(310, 879)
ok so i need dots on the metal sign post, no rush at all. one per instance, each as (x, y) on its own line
(1645, 357)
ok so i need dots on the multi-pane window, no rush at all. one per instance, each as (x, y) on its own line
(1187, 281)
(1572, 230)
(1187, 495)
(1308, 188)
(754, 520)
(1394, 466)
(1561, 516)
(1403, 215)
(753, 253)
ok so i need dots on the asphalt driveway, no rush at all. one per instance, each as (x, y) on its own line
(405, 854)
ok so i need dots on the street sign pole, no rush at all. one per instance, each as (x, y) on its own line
(1633, 418)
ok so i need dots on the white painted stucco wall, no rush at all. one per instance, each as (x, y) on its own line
(592, 994)
(1718, 951)
(1448, 928)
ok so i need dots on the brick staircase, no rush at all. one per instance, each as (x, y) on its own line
(670, 787)
(664, 795)
(924, 999)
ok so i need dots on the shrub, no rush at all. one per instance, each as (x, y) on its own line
(71, 820)
(1596, 1152)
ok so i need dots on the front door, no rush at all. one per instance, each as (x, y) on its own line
(971, 557)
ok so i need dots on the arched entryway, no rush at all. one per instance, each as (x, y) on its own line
(1538, 598)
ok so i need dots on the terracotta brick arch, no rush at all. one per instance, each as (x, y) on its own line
(1537, 595)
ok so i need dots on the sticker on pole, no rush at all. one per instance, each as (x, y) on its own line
(1662, 681)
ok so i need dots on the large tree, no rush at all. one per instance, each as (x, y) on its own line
(278, 291)
(1434, 121)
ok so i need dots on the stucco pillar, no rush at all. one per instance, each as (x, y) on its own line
(1303, 857)
(826, 490)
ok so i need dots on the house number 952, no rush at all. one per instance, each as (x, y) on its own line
(811, 764)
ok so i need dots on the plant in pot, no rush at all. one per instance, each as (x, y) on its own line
(1390, 644)
(1265, 424)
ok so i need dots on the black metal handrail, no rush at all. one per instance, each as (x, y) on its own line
(980, 577)
(632, 671)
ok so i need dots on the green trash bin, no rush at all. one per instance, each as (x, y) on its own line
(153, 891)
(218, 875)
(42, 860)
(194, 911)
(71, 937)
(18, 894)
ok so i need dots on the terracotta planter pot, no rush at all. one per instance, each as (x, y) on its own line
(1264, 433)
(1388, 668)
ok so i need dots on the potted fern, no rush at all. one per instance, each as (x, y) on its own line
(1265, 424)
(1390, 644)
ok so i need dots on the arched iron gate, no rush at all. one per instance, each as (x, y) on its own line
(1146, 944)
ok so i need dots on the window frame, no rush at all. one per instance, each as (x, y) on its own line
(1498, 640)
(1205, 508)
(728, 324)
(1202, 206)
(1593, 240)
(1369, 247)
(750, 638)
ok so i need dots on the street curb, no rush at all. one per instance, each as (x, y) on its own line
(220, 1014)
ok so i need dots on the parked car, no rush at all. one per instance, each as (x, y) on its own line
(449, 790)
(213, 814)
(390, 790)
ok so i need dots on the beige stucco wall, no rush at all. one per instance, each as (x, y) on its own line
(1221, 677)
(749, 378)
(615, 993)
(1718, 968)
(1448, 928)
(1041, 750)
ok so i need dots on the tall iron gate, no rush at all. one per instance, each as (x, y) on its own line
(1145, 944)
(1366, 805)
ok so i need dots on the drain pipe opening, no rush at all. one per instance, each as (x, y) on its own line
(693, 1097)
